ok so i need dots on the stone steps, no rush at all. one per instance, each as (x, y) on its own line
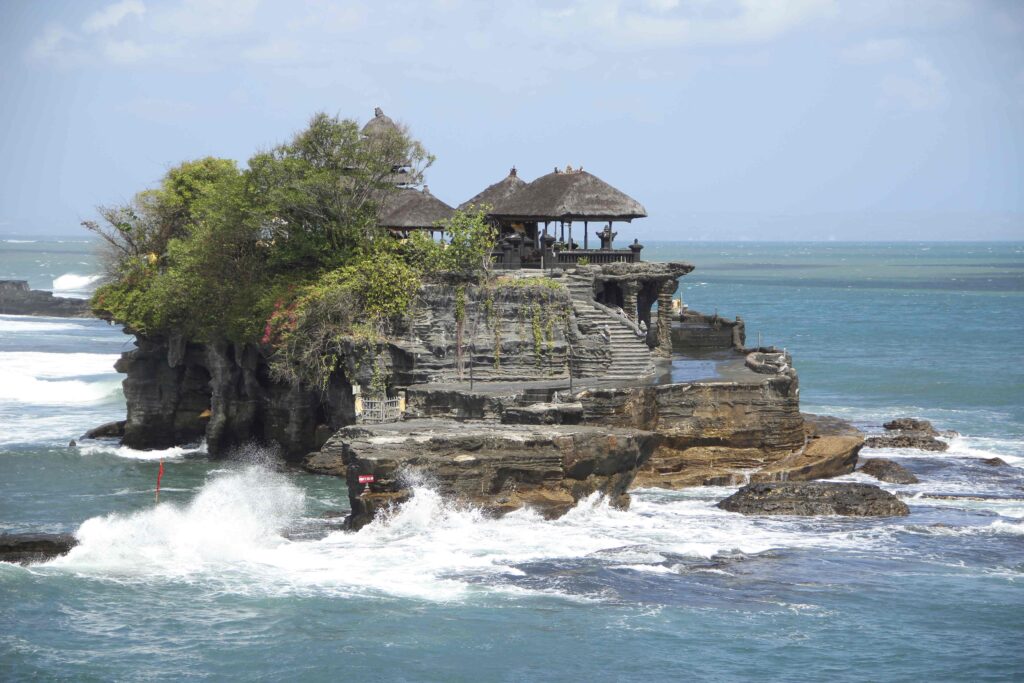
(630, 356)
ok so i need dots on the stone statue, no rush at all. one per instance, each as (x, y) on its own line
(607, 237)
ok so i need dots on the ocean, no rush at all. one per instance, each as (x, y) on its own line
(214, 582)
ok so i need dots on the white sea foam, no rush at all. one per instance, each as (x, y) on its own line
(111, 448)
(56, 365)
(50, 378)
(233, 519)
(231, 534)
(24, 323)
(73, 282)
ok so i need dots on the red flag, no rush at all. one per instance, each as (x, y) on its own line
(159, 476)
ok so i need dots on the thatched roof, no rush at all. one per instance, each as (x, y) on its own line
(380, 123)
(408, 208)
(570, 196)
(497, 194)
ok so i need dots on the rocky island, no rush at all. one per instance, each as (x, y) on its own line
(369, 331)
(16, 298)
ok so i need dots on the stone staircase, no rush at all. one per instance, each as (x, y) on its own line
(630, 356)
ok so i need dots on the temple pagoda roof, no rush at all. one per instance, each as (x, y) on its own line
(569, 195)
(495, 196)
(409, 208)
(380, 123)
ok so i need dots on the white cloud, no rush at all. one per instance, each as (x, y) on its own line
(922, 88)
(664, 22)
(875, 51)
(123, 51)
(50, 43)
(112, 15)
(197, 18)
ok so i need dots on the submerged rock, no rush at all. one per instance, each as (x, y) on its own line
(30, 548)
(815, 498)
(995, 462)
(107, 430)
(922, 442)
(886, 470)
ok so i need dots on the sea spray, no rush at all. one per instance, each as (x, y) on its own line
(73, 282)
(232, 519)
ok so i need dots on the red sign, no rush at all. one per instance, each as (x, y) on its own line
(365, 478)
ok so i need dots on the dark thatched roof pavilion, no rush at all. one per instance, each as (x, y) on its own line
(496, 195)
(570, 195)
(380, 123)
(409, 209)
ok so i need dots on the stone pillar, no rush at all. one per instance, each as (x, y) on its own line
(665, 292)
(630, 289)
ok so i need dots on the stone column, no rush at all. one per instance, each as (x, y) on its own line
(665, 292)
(630, 289)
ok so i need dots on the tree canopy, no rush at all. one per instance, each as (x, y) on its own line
(285, 252)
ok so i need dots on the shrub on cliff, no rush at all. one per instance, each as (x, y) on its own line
(210, 251)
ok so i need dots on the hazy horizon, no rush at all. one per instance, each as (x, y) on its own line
(809, 120)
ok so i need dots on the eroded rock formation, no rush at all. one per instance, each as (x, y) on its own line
(16, 298)
(888, 471)
(31, 548)
(910, 432)
(815, 498)
(498, 468)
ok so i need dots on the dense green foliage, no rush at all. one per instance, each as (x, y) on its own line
(285, 252)
(211, 250)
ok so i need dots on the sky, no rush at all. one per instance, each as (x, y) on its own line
(726, 119)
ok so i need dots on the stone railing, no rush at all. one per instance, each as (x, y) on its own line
(571, 257)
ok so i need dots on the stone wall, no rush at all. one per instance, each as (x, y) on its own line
(507, 333)
(699, 333)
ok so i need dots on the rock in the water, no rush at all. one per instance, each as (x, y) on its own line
(923, 442)
(995, 462)
(106, 430)
(815, 498)
(886, 470)
(910, 424)
(496, 467)
(29, 548)
(17, 299)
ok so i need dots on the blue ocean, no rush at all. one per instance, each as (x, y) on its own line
(218, 582)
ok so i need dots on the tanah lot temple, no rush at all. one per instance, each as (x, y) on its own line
(570, 371)
(535, 219)
(562, 220)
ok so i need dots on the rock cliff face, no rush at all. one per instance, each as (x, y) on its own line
(17, 299)
(504, 333)
(179, 392)
(496, 467)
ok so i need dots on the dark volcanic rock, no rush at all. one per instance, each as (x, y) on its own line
(28, 548)
(106, 430)
(17, 299)
(815, 498)
(886, 470)
(995, 462)
(910, 424)
(923, 442)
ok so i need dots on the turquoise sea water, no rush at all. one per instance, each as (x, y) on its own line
(215, 583)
